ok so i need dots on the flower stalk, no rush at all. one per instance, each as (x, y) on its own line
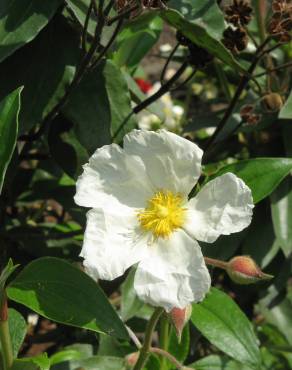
(164, 338)
(5, 339)
(146, 348)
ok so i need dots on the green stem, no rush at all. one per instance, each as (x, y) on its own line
(7, 353)
(164, 338)
(145, 350)
(216, 263)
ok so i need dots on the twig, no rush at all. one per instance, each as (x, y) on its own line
(134, 337)
(167, 355)
(80, 72)
(163, 90)
(282, 66)
(86, 22)
(242, 84)
(163, 72)
(108, 46)
(144, 104)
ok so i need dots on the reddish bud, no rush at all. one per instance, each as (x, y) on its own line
(145, 86)
(131, 359)
(179, 318)
(243, 270)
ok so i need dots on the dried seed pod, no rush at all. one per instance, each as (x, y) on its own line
(199, 57)
(272, 102)
(239, 13)
(236, 39)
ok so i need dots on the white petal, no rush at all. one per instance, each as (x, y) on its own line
(111, 177)
(223, 206)
(172, 162)
(112, 242)
(174, 275)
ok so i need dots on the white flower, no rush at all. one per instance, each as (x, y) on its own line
(172, 113)
(141, 215)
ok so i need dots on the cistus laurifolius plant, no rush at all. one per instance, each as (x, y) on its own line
(145, 184)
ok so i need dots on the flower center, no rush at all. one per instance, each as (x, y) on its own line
(164, 214)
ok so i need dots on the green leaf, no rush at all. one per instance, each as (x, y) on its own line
(99, 105)
(9, 110)
(138, 96)
(215, 362)
(222, 322)
(77, 351)
(17, 328)
(136, 39)
(93, 363)
(201, 36)
(40, 362)
(262, 175)
(57, 290)
(21, 21)
(131, 305)
(66, 149)
(286, 111)
(278, 315)
(207, 13)
(47, 68)
(281, 206)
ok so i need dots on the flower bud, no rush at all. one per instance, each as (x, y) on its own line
(243, 270)
(131, 359)
(272, 102)
(179, 318)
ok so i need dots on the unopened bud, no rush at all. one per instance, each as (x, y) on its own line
(179, 318)
(131, 360)
(272, 102)
(243, 270)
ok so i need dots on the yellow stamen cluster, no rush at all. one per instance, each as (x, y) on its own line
(163, 214)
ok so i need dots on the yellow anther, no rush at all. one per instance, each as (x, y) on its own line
(163, 214)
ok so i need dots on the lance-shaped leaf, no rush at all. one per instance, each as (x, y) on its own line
(223, 323)
(9, 110)
(198, 32)
(262, 175)
(21, 21)
(57, 290)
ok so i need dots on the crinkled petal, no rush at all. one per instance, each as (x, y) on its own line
(175, 273)
(171, 162)
(112, 242)
(111, 177)
(224, 206)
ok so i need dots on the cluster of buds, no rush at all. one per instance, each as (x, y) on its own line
(198, 57)
(239, 15)
(281, 21)
(249, 116)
